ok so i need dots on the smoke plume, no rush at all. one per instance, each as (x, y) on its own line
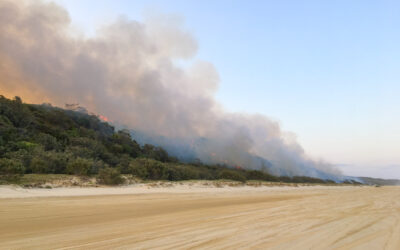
(127, 73)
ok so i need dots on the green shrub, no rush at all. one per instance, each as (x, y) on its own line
(79, 166)
(124, 144)
(123, 164)
(182, 172)
(11, 169)
(50, 162)
(156, 153)
(22, 156)
(232, 175)
(80, 151)
(259, 175)
(138, 169)
(39, 165)
(109, 176)
(57, 162)
(97, 165)
(26, 145)
(148, 169)
(156, 170)
(286, 179)
(48, 142)
(306, 179)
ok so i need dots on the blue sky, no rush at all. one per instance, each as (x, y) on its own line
(327, 70)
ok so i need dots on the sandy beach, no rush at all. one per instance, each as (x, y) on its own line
(197, 217)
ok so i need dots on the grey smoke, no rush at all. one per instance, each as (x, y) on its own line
(127, 73)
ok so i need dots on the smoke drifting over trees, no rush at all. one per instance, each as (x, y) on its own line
(127, 73)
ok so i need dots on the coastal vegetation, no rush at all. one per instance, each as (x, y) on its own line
(42, 139)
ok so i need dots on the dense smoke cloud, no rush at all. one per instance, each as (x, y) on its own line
(127, 73)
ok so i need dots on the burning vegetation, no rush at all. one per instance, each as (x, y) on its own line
(49, 140)
(127, 73)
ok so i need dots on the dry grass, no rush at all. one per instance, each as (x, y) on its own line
(61, 180)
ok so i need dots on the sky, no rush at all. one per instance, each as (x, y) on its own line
(328, 71)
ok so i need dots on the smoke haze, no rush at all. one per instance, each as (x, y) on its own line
(127, 73)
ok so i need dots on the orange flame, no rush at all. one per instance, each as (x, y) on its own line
(103, 118)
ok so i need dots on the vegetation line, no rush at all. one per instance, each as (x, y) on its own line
(42, 139)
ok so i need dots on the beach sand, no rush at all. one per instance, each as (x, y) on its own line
(198, 217)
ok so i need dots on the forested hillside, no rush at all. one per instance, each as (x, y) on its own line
(50, 140)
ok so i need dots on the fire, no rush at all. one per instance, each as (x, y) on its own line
(103, 118)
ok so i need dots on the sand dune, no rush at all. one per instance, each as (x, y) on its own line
(237, 218)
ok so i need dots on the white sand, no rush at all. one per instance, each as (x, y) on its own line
(8, 191)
